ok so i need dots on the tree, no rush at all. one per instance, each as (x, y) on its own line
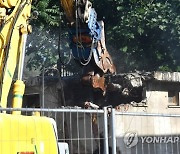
(145, 34)
(42, 43)
(50, 36)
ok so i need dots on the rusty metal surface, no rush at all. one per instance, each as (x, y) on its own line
(102, 58)
(98, 82)
(68, 6)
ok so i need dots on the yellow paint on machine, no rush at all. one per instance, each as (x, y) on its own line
(68, 6)
(11, 41)
(33, 134)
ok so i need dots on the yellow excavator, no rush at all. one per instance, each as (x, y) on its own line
(36, 134)
(19, 134)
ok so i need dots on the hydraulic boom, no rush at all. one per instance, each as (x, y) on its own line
(87, 42)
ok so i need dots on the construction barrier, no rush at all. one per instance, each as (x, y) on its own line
(107, 131)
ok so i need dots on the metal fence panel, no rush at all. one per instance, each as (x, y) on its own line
(143, 133)
(85, 131)
(107, 131)
(82, 131)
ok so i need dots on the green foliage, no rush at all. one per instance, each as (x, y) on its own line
(140, 34)
(48, 13)
(42, 43)
(147, 34)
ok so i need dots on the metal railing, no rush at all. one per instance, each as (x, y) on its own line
(147, 133)
(85, 131)
(106, 131)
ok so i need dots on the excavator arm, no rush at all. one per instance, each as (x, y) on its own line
(30, 132)
(88, 42)
(14, 27)
(86, 38)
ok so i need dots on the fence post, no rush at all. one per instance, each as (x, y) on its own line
(113, 135)
(106, 146)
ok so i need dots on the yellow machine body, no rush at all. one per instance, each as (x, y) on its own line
(8, 3)
(68, 6)
(14, 26)
(27, 134)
